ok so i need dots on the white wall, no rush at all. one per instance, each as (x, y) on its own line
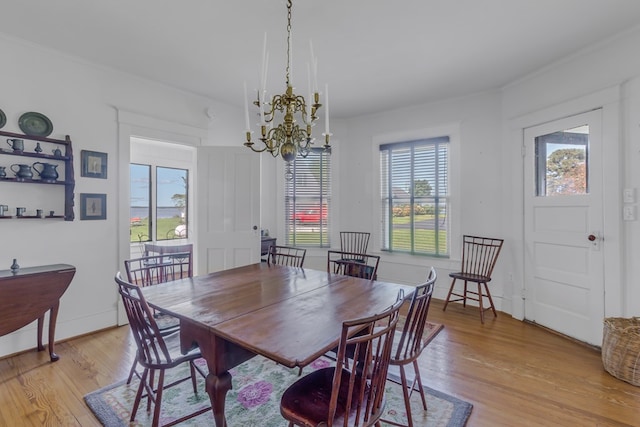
(81, 101)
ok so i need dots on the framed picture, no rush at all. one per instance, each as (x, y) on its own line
(94, 164)
(93, 206)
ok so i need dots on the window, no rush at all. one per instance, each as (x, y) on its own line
(562, 162)
(307, 200)
(158, 203)
(415, 196)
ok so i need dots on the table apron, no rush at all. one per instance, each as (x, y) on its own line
(220, 354)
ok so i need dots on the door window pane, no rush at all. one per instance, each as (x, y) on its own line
(562, 162)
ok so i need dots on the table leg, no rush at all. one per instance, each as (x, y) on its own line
(220, 355)
(53, 317)
(40, 326)
(217, 388)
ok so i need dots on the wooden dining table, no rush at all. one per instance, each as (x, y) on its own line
(287, 314)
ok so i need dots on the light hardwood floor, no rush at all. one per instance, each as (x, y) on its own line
(514, 373)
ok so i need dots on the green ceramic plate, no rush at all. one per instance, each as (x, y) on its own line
(3, 119)
(35, 124)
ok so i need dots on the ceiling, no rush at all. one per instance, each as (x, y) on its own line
(375, 55)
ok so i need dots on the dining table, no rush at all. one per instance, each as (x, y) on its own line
(287, 314)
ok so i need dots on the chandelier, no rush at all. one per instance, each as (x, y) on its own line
(287, 138)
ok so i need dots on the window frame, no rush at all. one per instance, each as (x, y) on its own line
(153, 189)
(451, 129)
(393, 153)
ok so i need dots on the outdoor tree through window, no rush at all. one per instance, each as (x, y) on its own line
(561, 163)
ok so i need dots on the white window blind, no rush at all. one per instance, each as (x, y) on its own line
(415, 197)
(307, 200)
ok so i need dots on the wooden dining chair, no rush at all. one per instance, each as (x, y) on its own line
(364, 266)
(479, 256)
(352, 392)
(286, 255)
(155, 353)
(410, 340)
(171, 251)
(354, 241)
(152, 270)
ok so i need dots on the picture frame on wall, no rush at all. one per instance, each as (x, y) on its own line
(93, 206)
(94, 164)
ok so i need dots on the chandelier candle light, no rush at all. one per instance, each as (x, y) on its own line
(287, 138)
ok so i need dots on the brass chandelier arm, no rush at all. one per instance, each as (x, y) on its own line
(251, 145)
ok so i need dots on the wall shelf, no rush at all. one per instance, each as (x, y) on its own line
(65, 157)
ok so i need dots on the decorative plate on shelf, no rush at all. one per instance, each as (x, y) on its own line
(3, 119)
(35, 124)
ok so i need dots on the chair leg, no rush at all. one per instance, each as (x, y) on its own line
(132, 371)
(419, 380)
(464, 301)
(136, 402)
(151, 392)
(158, 400)
(407, 395)
(480, 298)
(493, 307)
(453, 282)
(192, 368)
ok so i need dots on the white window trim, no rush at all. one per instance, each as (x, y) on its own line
(135, 124)
(452, 130)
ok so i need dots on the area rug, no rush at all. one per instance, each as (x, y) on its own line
(254, 400)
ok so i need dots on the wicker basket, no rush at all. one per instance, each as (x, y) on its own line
(621, 348)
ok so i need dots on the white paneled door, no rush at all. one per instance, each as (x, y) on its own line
(563, 205)
(228, 205)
